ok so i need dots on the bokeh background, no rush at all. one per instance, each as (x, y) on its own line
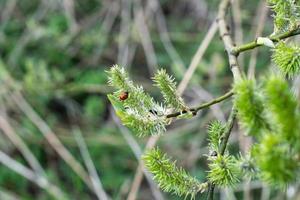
(57, 127)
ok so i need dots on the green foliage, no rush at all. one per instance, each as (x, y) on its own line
(169, 177)
(38, 73)
(224, 170)
(286, 13)
(276, 162)
(93, 106)
(287, 58)
(249, 105)
(167, 86)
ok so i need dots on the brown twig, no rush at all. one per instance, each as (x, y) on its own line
(164, 35)
(20, 145)
(197, 57)
(51, 137)
(124, 34)
(70, 15)
(238, 29)
(30, 175)
(227, 40)
(262, 12)
(145, 37)
(98, 187)
(106, 27)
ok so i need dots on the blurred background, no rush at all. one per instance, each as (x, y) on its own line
(59, 138)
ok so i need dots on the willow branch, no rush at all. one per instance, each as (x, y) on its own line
(275, 38)
(236, 71)
(227, 40)
(204, 105)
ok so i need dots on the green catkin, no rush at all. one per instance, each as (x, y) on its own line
(276, 152)
(224, 170)
(167, 86)
(282, 105)
(138, 99)
(118, 78)
(287, 58)
(275, 161)
(249, 105)
(144, 125)
(215, 131)
(286, 13)
(171, 178)
(247, 165)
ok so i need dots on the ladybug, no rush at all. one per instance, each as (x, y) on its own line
(123, 96)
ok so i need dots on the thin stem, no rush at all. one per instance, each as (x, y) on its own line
(98, 186)
(205, 105)
(227, 40)
(227, 131)
(20, 145)
(274, 38)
